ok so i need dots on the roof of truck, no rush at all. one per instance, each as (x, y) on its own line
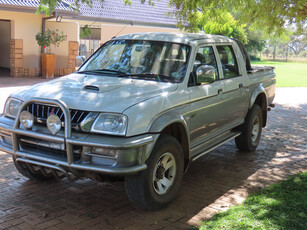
(184, 38)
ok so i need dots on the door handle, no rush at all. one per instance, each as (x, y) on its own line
(219, 91)
(241, 85)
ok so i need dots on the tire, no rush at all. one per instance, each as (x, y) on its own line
(37, 175)
(251, 130)
(159, 184)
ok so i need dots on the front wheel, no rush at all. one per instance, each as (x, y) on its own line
(159, 184)
(251, 130)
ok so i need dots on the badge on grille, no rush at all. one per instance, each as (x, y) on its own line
(54, 124)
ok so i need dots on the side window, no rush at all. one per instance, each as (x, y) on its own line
(205, 68)
(228, 61)
(205, 56)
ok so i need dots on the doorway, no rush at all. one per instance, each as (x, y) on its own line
(5, 45)
(90, 43)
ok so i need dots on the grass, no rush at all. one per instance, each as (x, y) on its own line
(288, 74)
(280, 206)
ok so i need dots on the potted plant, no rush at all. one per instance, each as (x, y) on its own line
(45, 39)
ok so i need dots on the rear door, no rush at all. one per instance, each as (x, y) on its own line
(234, 78)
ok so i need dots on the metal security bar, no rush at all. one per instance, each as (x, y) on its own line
(50, 103)
(68, 146)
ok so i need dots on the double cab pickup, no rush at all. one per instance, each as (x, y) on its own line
(141, 108)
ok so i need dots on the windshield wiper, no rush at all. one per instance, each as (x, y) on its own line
(102, 70)
(151, 76)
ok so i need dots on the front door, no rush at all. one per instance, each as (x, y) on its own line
(206, 101)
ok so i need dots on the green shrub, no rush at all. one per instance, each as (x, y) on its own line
(254, 58)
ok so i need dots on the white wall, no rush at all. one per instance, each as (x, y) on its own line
(25, 26)
(71, 29)
(108, 31)
(5, 41)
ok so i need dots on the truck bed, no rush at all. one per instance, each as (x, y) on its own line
(266, 76)
(257, 68)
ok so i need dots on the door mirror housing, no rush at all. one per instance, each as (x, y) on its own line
(205, 74)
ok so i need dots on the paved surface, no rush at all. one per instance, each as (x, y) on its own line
(218, 180)
(12, 84)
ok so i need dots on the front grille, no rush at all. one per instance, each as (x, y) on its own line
(42, 111)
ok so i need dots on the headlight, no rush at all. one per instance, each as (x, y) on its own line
(108, 123)
(12, 107)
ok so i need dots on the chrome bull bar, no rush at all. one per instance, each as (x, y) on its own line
(67, 127)
(67, 167)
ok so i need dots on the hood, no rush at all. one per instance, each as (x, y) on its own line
(97, 93)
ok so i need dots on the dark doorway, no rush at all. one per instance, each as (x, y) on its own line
(4, 72)
(5, 44)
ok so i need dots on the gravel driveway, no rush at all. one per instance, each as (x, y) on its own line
(212, 184)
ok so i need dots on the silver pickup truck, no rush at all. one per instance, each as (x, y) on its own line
(142, 107)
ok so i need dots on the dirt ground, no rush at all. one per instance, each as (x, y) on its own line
(212, 184)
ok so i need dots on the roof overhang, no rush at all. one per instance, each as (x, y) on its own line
(72, 14)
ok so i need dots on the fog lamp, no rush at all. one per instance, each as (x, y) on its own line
(54, 124)
(26, 119)
(104, 151)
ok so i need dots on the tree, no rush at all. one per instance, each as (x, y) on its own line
(226, 25)
(256, 40)
(275, 41)
(290, 42)
(298, 42)
(270, 15)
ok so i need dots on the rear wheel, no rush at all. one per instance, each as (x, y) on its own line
(35, 174)
(251, 130)
(159, 184)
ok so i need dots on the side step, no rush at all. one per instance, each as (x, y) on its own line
(229, 138)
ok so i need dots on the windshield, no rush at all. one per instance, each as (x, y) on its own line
(149, 60)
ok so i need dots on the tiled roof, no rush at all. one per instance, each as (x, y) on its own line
(111, 11)
(33, 3)
(137, 12)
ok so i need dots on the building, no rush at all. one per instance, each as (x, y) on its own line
(20, 54)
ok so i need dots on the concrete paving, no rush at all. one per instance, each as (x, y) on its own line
(215, 182)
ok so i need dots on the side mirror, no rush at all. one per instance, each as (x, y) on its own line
(79, 61)
(205, 74)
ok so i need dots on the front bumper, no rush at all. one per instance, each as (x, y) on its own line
(71, 152)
